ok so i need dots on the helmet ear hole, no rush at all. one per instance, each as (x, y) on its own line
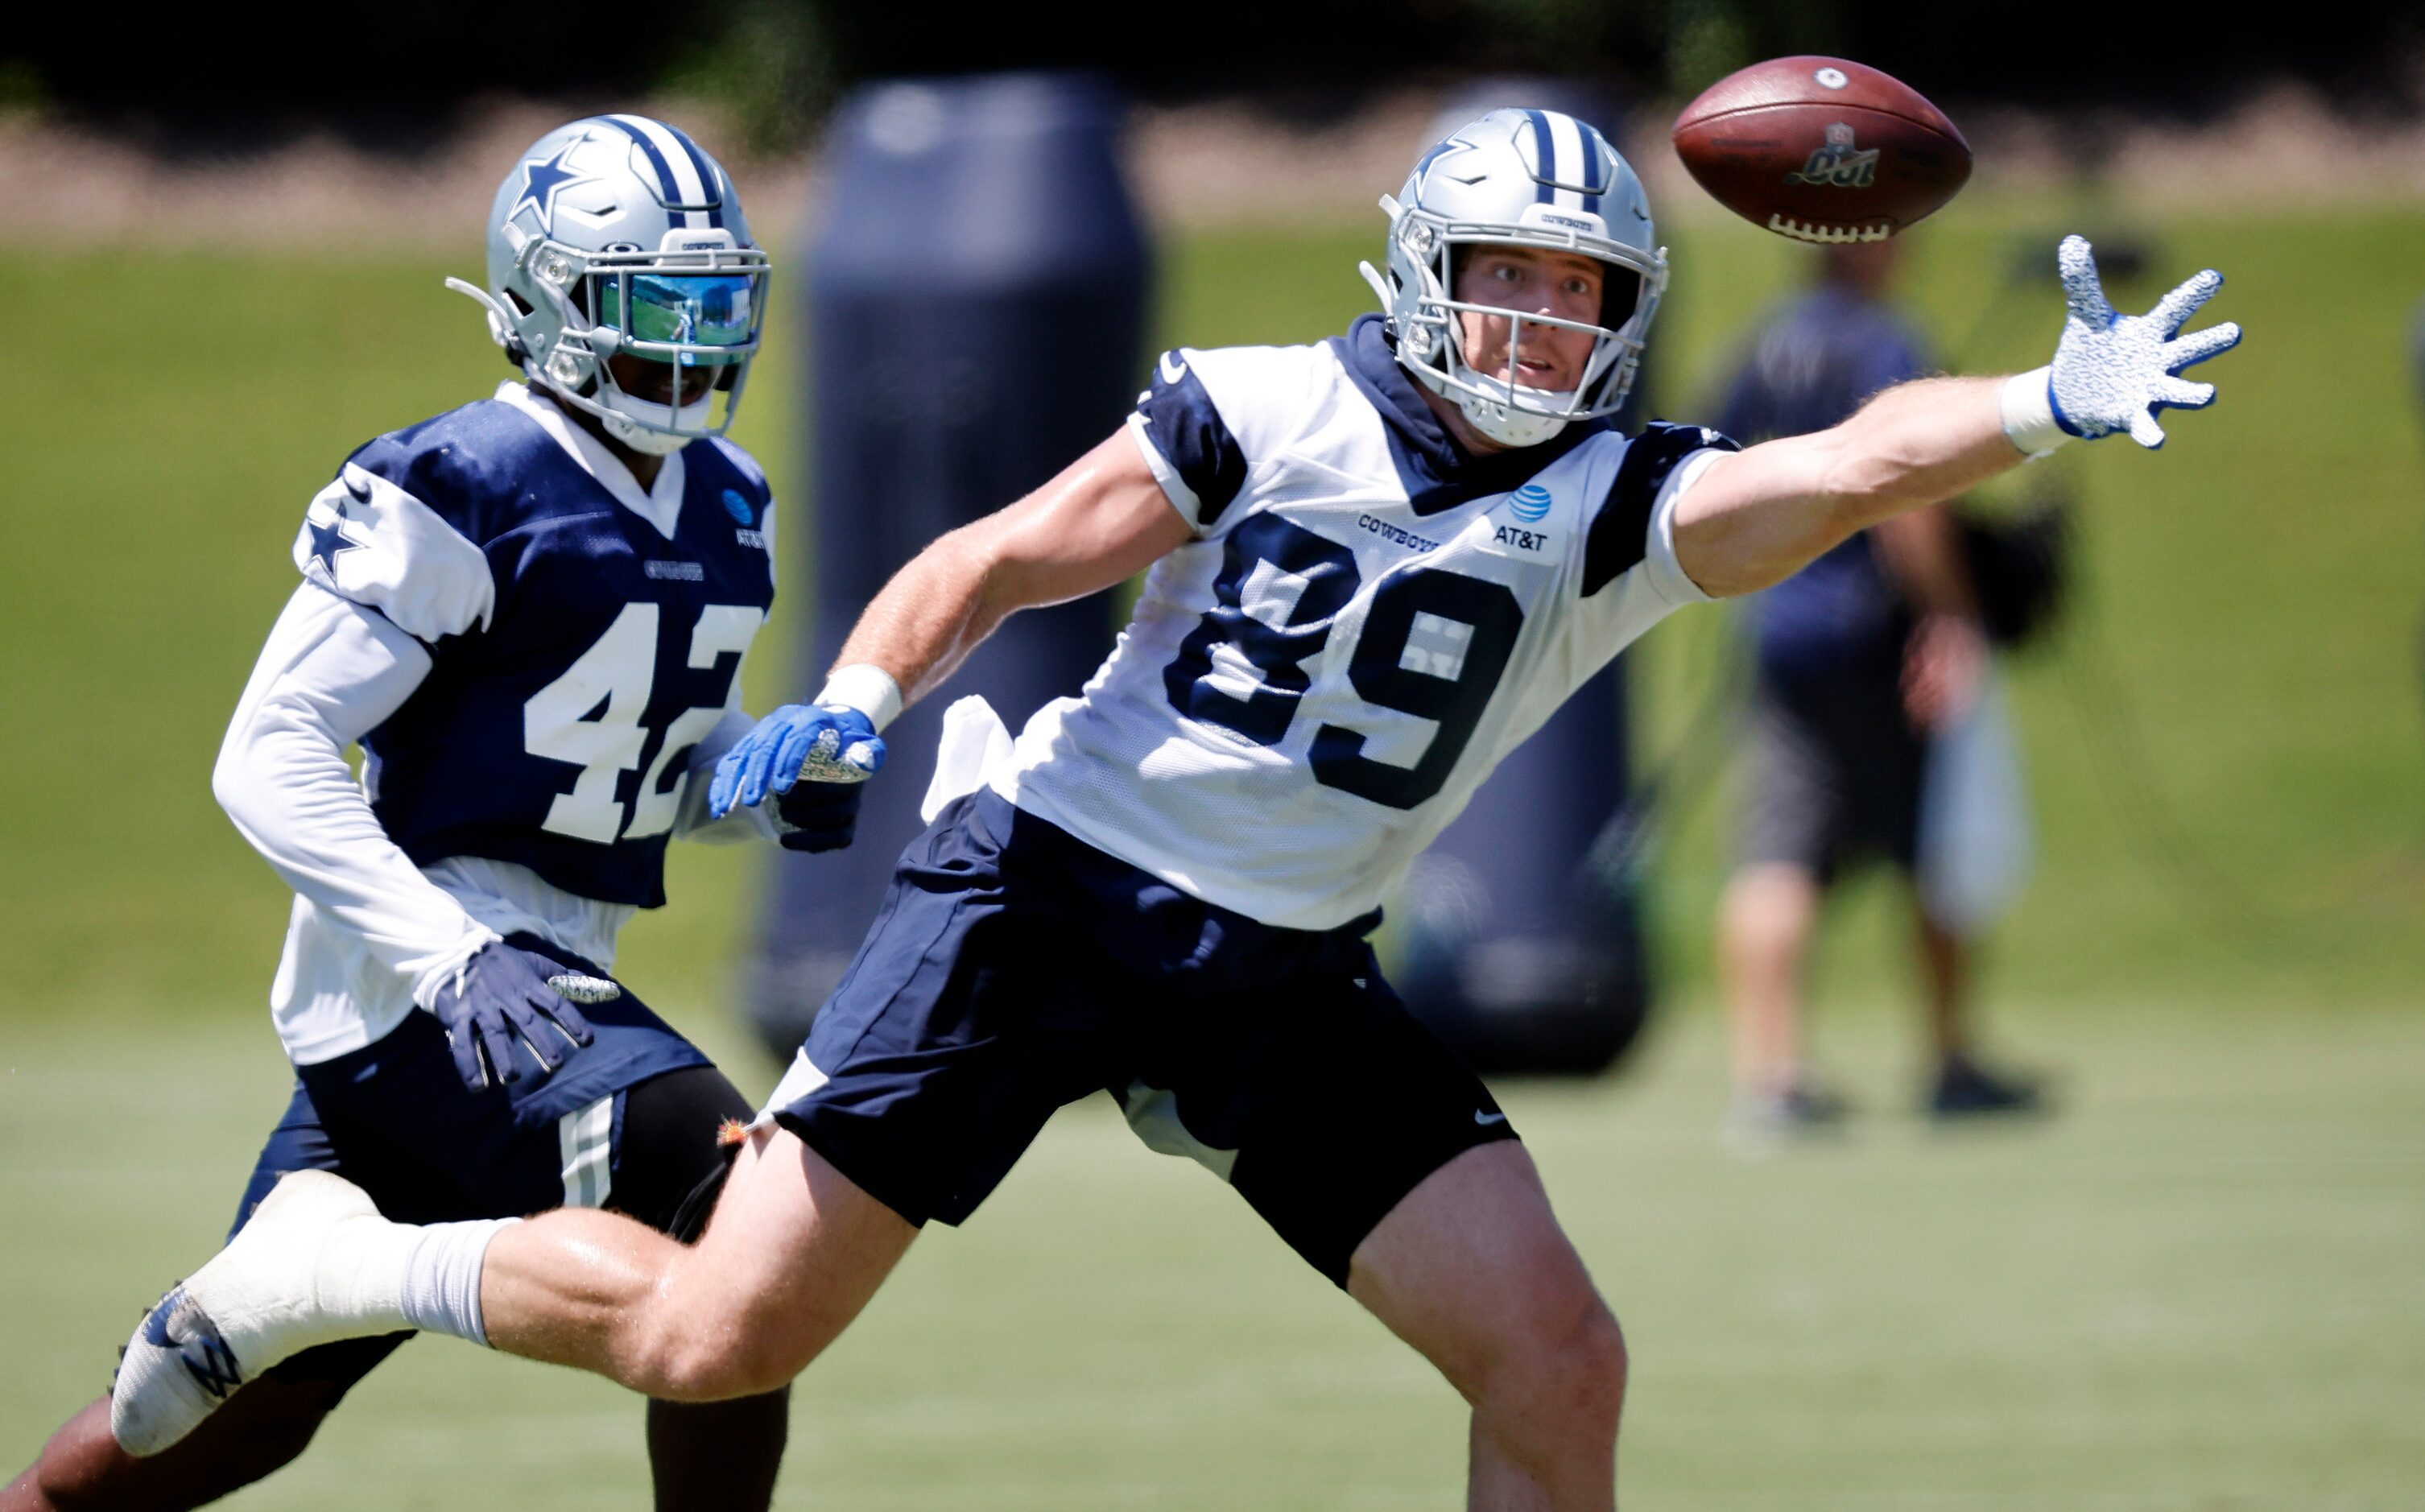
(521, 306)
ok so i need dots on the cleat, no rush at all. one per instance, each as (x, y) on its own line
(1803, 1108)
(1966, 1089)
(260, 1300)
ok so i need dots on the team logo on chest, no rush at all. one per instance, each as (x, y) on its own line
(1528, 507)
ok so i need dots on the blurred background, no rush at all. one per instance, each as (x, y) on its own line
(2201, 1284)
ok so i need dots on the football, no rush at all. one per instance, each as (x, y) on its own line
(1822, 149)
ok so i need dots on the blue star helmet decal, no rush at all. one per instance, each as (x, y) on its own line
(543, 179)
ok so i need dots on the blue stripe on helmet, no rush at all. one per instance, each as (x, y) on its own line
(1546, 146)
(1595, 166)
(664, 170)
(706, 174)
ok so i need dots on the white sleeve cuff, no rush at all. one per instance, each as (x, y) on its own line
(2027, 407)
(864, 687)
(1174, 487)
(1666, 574)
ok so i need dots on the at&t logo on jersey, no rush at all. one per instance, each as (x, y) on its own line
(738, 508)
(1528, 503)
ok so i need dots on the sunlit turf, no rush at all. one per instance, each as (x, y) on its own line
(2196, 1288)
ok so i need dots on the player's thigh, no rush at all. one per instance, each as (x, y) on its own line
(978, 1005)
(793, 1254)
(1473, 1270)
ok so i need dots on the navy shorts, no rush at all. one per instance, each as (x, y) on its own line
(1015, 969)
(1835, 774)
(630, 1122)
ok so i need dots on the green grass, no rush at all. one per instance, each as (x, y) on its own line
(2197, 1289)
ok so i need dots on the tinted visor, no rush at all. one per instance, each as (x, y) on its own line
(696, 312)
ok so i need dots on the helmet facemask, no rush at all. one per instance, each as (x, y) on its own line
(1531, 178)
(692, 309)
(1424, 252)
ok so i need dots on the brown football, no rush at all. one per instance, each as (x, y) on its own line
(1822, 149)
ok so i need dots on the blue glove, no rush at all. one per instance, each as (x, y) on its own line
(2112, 372)
(503, 995)
(833, 743)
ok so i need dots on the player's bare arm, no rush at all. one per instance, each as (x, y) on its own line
(1758, 516)
(1102, 521)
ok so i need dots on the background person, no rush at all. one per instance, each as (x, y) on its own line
(1861, 656)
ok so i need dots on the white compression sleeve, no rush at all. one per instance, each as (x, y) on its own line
(332, 672)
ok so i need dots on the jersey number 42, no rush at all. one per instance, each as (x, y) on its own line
(595, 716)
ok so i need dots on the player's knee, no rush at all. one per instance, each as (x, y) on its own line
(719, 1365)
(1565, 1373)
(1597, 1364)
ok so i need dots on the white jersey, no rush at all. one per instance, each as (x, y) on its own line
(1367, 621)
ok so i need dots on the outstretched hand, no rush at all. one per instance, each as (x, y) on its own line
(831, 744)
(2112, 372)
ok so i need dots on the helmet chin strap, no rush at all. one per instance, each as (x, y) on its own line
(1511, 426)
(633, 422)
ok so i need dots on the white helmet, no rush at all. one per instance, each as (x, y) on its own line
(616, 235)
(1525, 178)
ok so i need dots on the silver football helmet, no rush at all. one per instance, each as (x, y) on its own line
(1529, 178)
(616, 235)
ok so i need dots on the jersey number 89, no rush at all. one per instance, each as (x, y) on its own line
(1433, 645)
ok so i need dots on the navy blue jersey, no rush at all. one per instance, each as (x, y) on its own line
(580, 644)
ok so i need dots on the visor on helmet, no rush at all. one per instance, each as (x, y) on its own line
(691, 321)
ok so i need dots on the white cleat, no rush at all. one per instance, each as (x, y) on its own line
(267, 1295)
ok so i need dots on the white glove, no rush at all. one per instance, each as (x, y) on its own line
(2112, 372)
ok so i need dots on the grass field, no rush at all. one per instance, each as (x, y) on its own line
(2196, 1290)
(2199, 1288)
